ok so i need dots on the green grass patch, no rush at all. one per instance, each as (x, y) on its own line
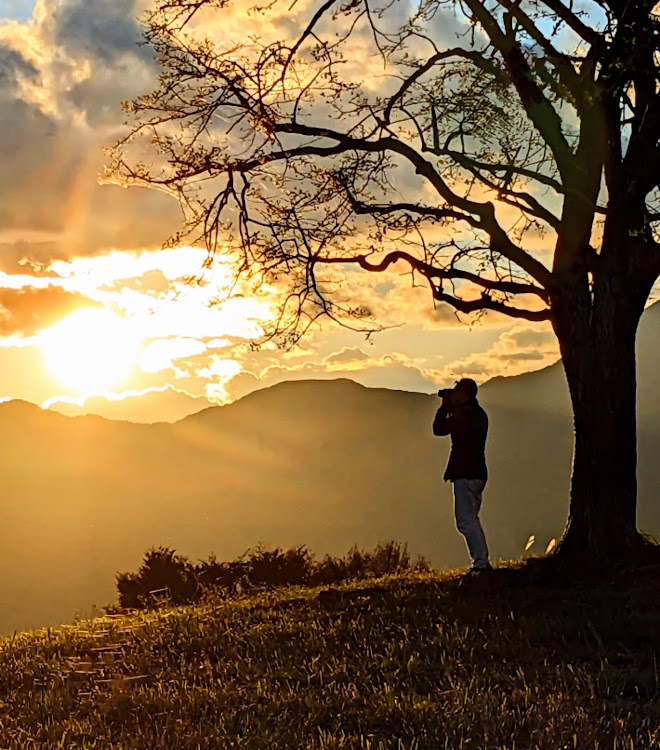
(514, 659)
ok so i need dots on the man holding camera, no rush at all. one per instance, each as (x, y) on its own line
(461, 417)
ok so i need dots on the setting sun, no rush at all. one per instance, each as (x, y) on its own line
(90, 350)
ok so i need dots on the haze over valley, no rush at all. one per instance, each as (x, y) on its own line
(327, 464)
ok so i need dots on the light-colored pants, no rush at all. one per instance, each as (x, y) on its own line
(467, 503)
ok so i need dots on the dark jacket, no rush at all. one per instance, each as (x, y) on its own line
(468, 427)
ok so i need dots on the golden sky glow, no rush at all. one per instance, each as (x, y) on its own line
(92, 310)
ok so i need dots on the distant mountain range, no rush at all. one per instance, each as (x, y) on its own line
(328, 464)
(155, 405)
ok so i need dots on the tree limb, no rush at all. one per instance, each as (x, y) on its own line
(538, 108)
(562, 61)
(486, 303)
(500, 242)
(434, 272)
(475, 57)
(574, 22)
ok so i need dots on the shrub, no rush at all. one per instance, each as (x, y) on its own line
(279, 567)
(165, 576)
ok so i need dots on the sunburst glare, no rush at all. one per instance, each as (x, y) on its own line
(90, 350)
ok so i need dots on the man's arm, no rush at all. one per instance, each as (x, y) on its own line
(443, 421)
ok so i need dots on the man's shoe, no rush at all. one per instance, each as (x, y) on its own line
(478, 571)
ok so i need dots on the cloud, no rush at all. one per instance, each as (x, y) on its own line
(28, 310)
(103, 46)
(48, 177)
(62, 80)
(348, 355)
(14, 69)
(162, 353)
(98, 30)
(218, 374)
(30, 251)
(394, 370)
(396, 297)
(523, 356)
(153, 288)
(511, 354)
(526, 338)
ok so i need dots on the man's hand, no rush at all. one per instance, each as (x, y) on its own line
(440, 423)
(446, 395)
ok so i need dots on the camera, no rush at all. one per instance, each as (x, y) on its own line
(445, 392)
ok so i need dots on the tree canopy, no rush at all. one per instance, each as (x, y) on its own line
(484, 140)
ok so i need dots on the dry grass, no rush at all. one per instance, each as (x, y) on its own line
(517, 659)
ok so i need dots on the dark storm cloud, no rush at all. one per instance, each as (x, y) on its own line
(99, 29)
(54, 124)
(13, 66)
(28, 310)
(38, 165)
(108, 37)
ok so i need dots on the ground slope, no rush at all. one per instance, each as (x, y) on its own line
(515, 659)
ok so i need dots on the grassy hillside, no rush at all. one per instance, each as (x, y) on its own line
(515, 659)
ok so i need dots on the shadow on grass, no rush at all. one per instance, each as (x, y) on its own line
(613, 615)
(536, 635)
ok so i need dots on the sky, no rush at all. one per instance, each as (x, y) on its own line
(97, 316)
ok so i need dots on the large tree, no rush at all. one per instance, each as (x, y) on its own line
(506, 151)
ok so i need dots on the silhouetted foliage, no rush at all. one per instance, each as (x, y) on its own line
(166, 577)
(163, 575)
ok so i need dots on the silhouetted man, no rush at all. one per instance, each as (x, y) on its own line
(462, 417)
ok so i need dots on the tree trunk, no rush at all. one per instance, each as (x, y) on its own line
(599, 361)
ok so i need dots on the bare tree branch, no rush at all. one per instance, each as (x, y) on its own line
(484, 211)
(455, 52)
(433, 272)
(540, 111)
(589, 35)
(272, 142)
(486, 303)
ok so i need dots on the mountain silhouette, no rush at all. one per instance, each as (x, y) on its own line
(325, 463)
(159, 405)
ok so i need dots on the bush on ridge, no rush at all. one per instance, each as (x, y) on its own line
(167, 577)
